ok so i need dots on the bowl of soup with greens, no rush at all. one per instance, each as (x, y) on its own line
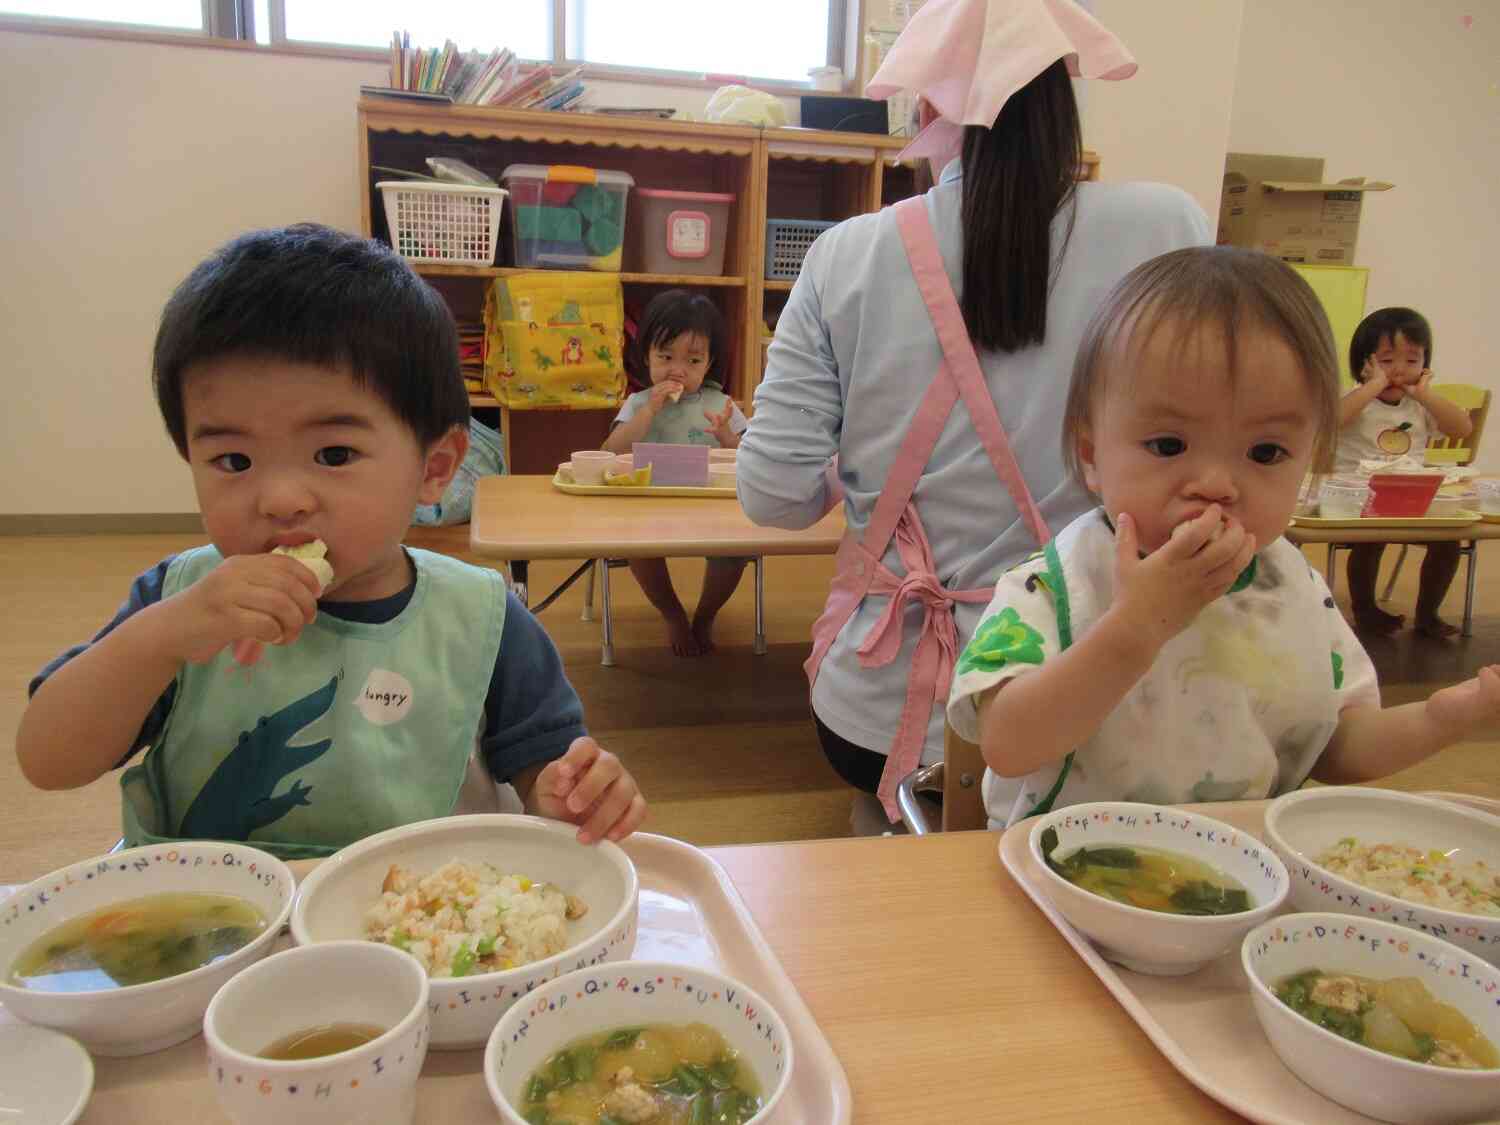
(1384, 1020)
(639, 1041)
(124, 951)
(1157, 889)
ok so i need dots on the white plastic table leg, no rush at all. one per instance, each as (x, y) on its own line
(588, 591)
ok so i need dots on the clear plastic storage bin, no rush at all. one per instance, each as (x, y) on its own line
(680, 231)
(567, 217)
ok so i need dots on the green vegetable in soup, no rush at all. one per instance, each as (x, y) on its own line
(622, 1038)
(1149, 878)
(138, 941)
(667, 1074)
(1201, 897)
(1399, 1017)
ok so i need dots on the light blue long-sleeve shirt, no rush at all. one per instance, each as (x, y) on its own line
(853, 355)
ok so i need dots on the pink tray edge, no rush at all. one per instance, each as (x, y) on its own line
(816, 1066)
(819, 1093)
(1246, 815)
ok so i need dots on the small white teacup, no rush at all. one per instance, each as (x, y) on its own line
(312, 986)
(590, 465)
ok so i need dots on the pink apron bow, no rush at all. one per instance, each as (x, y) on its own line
(860, 572)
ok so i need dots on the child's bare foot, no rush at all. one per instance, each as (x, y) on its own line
(684, 640)
(703, 633)
(1373, 620)
(1434, 626)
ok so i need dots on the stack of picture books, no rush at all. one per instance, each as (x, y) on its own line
(471, 354)
(498, 78)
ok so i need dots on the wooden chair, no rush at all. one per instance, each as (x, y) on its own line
(1443, 450)
(957, 777)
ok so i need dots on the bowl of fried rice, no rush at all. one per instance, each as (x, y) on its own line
(492, 906)
(1428, 864)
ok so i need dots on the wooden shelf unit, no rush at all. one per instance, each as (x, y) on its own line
(773, 173)
(430, 269)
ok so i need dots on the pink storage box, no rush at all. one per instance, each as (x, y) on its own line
(679, 231)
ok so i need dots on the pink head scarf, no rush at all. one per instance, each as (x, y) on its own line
(966, 57)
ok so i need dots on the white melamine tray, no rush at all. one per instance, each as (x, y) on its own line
(690, 913)
(1204, 1022)
(563, 481)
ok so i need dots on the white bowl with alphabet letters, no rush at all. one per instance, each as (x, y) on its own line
(139, 1018)
(1303, 825)
(335, 897)
(1153, 941)
(631, 995)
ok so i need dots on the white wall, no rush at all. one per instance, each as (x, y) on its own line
(1170, 122)
(124, 163)
(1402, 92)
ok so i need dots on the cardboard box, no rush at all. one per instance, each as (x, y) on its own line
(1282, 205)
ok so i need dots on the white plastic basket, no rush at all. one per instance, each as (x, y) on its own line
(457, 223)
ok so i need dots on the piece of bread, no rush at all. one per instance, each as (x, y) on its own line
(311, 555)
(676, 392)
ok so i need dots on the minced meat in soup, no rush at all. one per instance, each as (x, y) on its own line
(664, 1074)
(1399, 1017)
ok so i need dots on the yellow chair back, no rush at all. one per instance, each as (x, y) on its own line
(1443, 450)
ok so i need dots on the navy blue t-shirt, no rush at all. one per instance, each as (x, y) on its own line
(531, 712)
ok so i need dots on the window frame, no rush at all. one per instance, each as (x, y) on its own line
(115, 29)
(837, 53)
(230, 24)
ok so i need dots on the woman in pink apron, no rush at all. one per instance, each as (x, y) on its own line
(928, 348)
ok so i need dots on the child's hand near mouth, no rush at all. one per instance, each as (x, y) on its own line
(1161, 594)
(248, 650)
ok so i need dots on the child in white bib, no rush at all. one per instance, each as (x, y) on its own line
(1171, 646)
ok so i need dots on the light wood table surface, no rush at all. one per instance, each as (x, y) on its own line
(1477, 532)
(520, 518)
(943, 991)
(524, 517)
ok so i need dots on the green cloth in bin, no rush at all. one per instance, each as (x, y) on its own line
(595, 203)
(549, 224)
(603, 237)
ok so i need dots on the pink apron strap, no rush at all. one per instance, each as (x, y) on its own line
(860, 571)
(911, 460)
(958, 353)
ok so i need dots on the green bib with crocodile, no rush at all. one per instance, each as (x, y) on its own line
(352, 729)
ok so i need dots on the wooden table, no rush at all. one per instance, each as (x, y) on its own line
(943, 991)
(519, 518)
(1469, 536)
